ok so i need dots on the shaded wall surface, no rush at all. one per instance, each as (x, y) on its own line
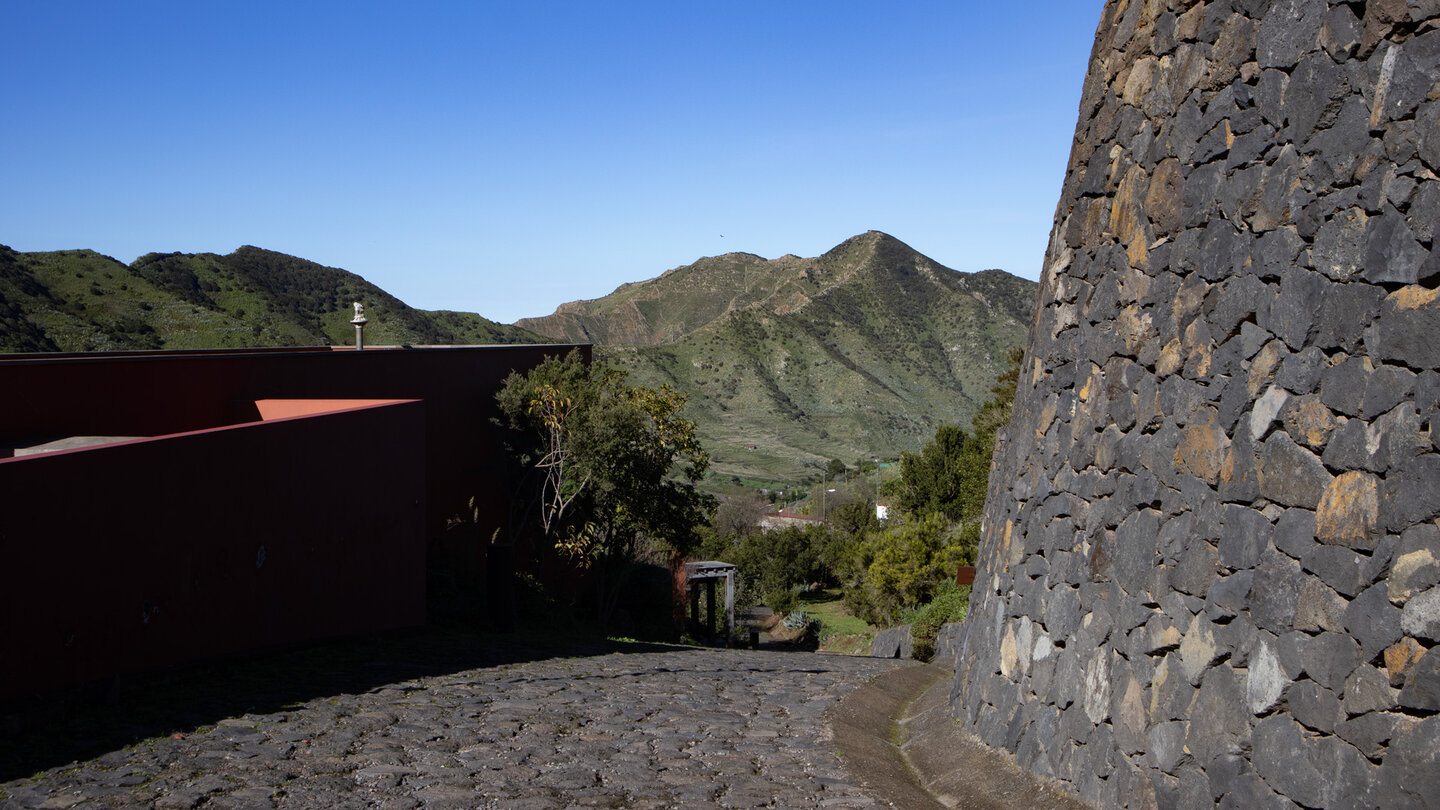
(1209, 572)
(157, 393)
(141, 555)
(255, 515)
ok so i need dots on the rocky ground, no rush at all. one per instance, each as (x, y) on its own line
(639, 727)
(441, 719)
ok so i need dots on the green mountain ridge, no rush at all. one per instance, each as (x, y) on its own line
(789, 362)
(80, 300)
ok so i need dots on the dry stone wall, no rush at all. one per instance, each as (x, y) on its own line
(1211, 554)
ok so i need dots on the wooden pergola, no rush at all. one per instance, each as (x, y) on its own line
(707, 575)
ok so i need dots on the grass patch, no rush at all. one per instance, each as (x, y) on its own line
(839, 631)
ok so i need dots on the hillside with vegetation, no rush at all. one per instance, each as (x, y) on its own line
(79, 300)
(790, 363)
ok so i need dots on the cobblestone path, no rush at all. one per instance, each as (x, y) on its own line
(660, 728)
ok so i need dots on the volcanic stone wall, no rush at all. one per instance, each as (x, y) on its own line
(1211, 554)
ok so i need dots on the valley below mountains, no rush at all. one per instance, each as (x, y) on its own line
(790, 362)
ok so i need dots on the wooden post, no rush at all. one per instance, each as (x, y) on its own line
(710, 606)
(729, 606)
(695, 605)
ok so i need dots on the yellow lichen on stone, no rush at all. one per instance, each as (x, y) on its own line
(1264, 366)
(1140, 80)
(1310, 423)
(1414, 297)
(1227, 467)
(1134, 325)
(1127, 215)
(1162, 674)
(1047, 416)
(1009, 659)
(1400, 657)
(1170, 360)
(1203, 447)
(1017, 550)
(1402, 569)
(1132, 712)
(1199, 351)
(1005, 544)
(1197, 649)
(1349, 510)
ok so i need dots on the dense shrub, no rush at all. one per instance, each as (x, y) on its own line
(949, 605)
(901, 568)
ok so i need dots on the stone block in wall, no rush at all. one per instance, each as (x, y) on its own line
(1319, 608)
(1372, 621)
(1338, 567)
(1308, 421)
(1282, 757)
(1408, 317)
(1295, 532)
(1392, 252)
(1411, 494)
(892, 642)
(1219, 720)
(1369, 733)
(1348, 513)
(1221, 442)
(1367, 690)
(1410, 775)
(1275, 593)
(1289, 474)
(1400, 658)
(1421, 616)
(948, 641)
(1315, 707)
(1330, 658)
(1289, 29)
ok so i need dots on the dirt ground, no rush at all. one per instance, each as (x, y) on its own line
(896, 734)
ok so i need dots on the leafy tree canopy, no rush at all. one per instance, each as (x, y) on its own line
(617, 465)
(948, 476)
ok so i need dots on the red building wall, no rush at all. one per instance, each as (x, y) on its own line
(137, 555)
(144, 554)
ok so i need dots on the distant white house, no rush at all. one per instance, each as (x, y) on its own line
(882, 511)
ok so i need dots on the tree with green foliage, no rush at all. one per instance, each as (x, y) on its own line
(948, 476)
(903, 567)
(950, 604)
(951, 473)
(995, 412)
(941, 495)
(610, 469)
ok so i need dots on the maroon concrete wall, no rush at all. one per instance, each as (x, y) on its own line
(144, 554)
(155, 393)
(353, 503)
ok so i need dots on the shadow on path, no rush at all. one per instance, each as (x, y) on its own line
(53, 729)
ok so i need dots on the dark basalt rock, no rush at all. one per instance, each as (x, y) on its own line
(1250, 549)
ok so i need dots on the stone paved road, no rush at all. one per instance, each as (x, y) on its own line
(659, 728)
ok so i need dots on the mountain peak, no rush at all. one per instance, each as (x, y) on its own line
(687, 299)
(791, 361)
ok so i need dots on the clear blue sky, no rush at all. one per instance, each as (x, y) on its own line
(505, 157)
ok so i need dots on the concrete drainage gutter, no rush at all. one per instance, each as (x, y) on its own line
(896, 735)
